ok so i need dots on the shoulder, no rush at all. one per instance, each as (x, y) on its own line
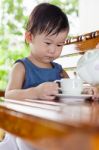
(64, 74)
(16, 76)
(21, 61)
(56, 65)
(18, 68)
(20, 64)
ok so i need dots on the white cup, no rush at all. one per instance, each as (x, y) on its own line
(71, 86)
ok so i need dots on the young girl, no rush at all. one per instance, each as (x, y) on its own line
(32, 77)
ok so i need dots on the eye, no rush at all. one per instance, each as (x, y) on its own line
(59, 45)
(47, 43)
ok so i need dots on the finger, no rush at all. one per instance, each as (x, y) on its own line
(50, 98)
(91, 92)
(95, 97)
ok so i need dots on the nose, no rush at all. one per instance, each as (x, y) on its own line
(52, 49)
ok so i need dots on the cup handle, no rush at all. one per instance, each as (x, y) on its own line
(58, 82)
(59, 85)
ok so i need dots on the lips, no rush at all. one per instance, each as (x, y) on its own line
(49, 57)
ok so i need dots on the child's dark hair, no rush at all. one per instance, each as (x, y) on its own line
(47, 18)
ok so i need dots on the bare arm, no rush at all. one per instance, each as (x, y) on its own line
(14, 90)
(64, 74)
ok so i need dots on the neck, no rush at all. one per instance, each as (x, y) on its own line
(38, 63)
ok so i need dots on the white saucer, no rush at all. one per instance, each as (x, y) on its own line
(67, 97)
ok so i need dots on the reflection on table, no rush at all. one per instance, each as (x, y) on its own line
(52, 125)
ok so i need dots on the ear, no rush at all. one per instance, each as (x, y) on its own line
(28, 37)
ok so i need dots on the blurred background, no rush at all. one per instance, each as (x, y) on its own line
(83, 18)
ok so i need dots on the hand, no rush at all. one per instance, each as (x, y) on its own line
(92, 91)
(88, 90)
(96, 93)
(97, 46)
(47, 90)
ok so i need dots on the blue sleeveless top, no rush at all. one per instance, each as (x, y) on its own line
(35, 75)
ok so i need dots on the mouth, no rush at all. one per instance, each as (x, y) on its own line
(50, 58)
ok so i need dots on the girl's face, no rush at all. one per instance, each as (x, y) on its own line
(46, 48)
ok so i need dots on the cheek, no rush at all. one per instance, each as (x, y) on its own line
(59, 50)
(58, 53)
(41, 47)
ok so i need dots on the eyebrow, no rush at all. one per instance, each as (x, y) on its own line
(62, 42)
(48, 39)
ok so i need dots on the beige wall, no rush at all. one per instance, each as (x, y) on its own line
(89, 15)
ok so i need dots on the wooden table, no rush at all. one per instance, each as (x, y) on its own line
(53, 125)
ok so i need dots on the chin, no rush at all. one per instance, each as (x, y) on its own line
(47, 61)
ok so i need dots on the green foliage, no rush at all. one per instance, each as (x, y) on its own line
(68, 6)
(12, 25)
(13, 22)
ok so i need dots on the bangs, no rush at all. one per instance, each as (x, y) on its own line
(53, 27)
